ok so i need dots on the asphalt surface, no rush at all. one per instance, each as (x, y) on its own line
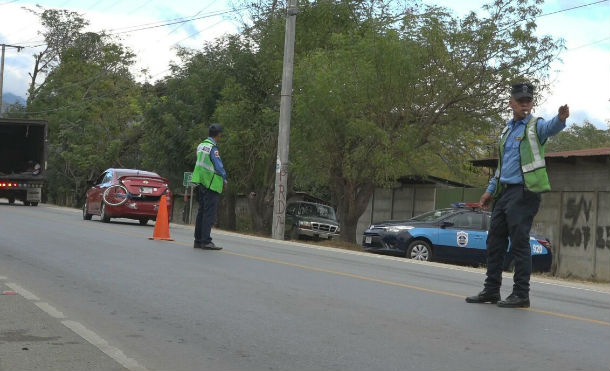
(266, 305)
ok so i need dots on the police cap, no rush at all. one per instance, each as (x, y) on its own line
(215, 129)
(522, 90)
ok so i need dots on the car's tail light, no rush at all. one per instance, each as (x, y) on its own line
(545, 243)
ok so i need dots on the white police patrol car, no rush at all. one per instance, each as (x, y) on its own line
(455, 234)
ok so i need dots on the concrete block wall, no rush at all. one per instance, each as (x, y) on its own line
(396, 204)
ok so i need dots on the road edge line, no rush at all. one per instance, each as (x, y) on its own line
(101, 344)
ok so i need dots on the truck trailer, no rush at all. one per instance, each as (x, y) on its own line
(23, 160)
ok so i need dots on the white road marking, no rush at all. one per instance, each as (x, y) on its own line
(103, 345)
(50, 310)
(23, 292)
(82, 331)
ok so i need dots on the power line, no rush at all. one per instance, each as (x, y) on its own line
(152, 25)
(9, 2)
(194, 15)
(572, 8)
(589, 44)
(209, 15)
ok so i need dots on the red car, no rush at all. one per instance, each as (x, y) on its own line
(126, 193)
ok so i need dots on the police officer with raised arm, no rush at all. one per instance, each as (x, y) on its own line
(516, 186)
(210, 177)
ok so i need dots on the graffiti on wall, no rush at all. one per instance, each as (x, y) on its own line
(576, 228)
(602, 237)
(578, 224)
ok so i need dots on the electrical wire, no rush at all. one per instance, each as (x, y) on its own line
(9, 2)
(151, 25)
(572, 8)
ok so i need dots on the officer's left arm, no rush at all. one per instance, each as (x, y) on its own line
(215, 157)
(547, 129)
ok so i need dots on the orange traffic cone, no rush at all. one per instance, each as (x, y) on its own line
(161, 231)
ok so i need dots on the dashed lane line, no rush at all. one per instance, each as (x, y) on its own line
(94, 339)
(23, 292)
(79, 329)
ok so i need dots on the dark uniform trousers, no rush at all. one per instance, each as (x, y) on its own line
(206, 215)
(512, 217)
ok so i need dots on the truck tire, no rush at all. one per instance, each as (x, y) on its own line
(26, 203)
(34, 203)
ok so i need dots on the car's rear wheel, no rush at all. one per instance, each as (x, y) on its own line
(11, 200)
(143, 221)
(103, 215)
(419, 250)
(86, 215)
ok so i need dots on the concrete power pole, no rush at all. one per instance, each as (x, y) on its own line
(4, 46)
(283, 140)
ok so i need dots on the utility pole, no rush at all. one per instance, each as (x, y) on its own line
(283, 139)
(4, 46)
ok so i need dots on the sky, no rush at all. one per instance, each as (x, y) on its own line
(581, 78)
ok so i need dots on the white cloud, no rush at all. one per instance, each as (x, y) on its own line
(154, 48)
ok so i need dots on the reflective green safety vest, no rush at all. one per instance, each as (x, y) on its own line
(533, 166)
(204, 172)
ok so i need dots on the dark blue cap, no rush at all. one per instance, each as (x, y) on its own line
(522, 90)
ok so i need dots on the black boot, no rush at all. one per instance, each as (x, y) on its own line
(515, 301)
(484, 297)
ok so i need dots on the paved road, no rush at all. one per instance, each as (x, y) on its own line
(266, 305)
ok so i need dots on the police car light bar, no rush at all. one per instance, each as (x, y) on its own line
(463, 205)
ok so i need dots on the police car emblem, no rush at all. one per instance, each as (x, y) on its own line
(462, 239)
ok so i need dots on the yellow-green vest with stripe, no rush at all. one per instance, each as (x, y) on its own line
(204, 172)
(533, 166)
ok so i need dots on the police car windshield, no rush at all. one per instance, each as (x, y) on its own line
(432, 215)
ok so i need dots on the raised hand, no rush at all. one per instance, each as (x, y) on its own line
(564, 112)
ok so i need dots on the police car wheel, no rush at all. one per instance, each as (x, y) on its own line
(419, 250)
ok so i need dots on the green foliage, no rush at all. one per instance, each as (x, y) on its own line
(90, 101)
(414, 93)
(579, 137)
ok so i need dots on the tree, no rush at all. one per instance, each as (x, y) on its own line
(579, 137)
(391, 98)
(89, 98)
(61, 29)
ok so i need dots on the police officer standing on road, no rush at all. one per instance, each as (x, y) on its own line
(516, 186)
(210, 177)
